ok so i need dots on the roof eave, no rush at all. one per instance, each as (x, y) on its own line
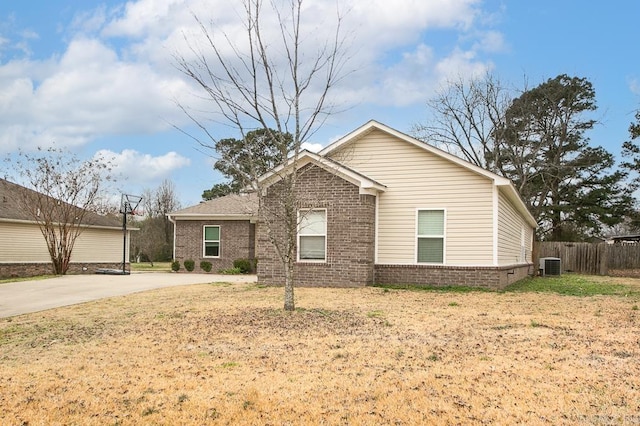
(366, 186)
(515, 198)
(80, 225)
(209, 216)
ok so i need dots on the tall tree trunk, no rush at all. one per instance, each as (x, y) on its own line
(289, 303)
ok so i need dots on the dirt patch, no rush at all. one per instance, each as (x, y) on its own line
(229, 355)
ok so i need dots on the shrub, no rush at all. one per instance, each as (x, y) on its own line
(230, 271)
(189, 265)
(244, 265)
(175, 266)
(205, 266)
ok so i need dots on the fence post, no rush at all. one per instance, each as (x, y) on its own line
(603, 249)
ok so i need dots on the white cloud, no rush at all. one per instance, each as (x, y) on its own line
(373, 29)
(313, 147)
(634, 85)
(134, 166)
(117, 76)
(491, 41)
(460, 64)
(87, 93)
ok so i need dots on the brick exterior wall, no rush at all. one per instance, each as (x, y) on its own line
(15, 270)
(495, 278)
(237, 241)
(350, 233)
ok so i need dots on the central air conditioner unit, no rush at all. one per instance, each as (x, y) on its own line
(550, 266)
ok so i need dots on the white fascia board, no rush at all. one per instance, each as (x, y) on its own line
(33, 222)
(367, 186)
(372, 124)
(204, 216)
(514, 197)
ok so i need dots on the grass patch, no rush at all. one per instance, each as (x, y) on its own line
(432, 288)
(151, 267)
(36, 278)
(572, 285)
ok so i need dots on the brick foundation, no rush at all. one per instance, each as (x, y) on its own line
(495, 278)
(22, 270)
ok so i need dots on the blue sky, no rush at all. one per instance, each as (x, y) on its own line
(99, 76)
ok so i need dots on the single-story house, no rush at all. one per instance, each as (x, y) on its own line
(23, 251)
(375, 207)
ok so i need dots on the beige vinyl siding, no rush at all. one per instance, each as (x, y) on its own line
(417, 179)
(511, 230)
(22, 242)
(99, 245)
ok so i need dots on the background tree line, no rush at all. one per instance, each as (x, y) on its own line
(539, 141)
(154, 241)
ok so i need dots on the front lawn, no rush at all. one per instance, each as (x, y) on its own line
(577, 285)
(228, 354)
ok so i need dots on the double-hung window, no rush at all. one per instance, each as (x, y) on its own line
(312, 235)
(430, 236)
(211, 241)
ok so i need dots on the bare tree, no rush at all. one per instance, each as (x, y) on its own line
(62, 193)
(465, 115)
(155, 238)
(277, 78)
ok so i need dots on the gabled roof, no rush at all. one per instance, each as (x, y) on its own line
(503, 183)
(372, 125)
(366, 184)
(229, 207)
(10, 210)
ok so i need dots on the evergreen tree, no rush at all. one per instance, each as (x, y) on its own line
(568, 185)
(243, 160)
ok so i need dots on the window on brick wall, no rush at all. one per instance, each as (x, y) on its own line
(211, 241)
(430, 233)
(312, 235)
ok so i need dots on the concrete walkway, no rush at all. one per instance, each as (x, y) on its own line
(32, 296)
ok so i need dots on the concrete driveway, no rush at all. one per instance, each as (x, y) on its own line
(38, 295)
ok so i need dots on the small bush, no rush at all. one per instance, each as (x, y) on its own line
(189, 265)
(205, 266)
(175, 266)
(231, 271)
(245, 265)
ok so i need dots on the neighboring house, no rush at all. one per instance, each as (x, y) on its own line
(380, 207)
(23, 251)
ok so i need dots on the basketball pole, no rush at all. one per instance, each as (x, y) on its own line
(126, 208)
(124, 236)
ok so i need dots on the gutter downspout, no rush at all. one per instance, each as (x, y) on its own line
(173, 256)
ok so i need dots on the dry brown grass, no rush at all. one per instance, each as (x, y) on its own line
(228, 354)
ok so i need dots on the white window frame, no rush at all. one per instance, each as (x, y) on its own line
(443, 236)
(205, 241)
(301, 214)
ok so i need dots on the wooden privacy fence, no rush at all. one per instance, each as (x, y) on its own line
(593, 258)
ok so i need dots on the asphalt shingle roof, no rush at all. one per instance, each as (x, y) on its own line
(10, 209)
(229, 205)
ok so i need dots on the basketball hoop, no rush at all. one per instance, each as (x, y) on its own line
(129, 204)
